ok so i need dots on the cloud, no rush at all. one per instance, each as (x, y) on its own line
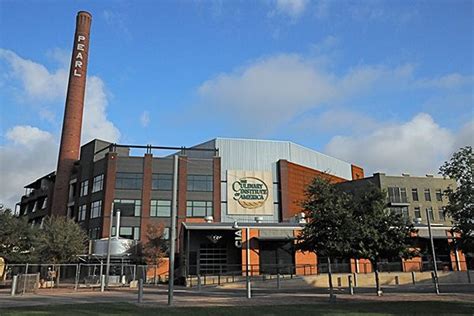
(29, 154)
(118, 22)
(279, 88)
(292, 8)
(39, 85)
(145, 118)
(450, 81)
(418, 146)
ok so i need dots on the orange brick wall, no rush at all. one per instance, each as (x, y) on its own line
(294, 179)
(254, 261)
(357, 172)
(305, 262)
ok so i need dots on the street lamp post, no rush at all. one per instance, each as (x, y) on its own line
(435, 270)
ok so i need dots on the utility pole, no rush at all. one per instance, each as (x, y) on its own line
(174, 207)
(247, 257)
(109, 246)
(435, 270)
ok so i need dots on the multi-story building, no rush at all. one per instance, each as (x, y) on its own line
(416, 198)
(224, 187)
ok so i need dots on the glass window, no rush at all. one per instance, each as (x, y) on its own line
(98, 183)
(81, 214)
(417, 212)
(84, 188)
(130, 181)
(198, 208)
(427, 195)
(94, 233)
(45, 202)
(96, 209)
(160, 208)
(441, 214)
(397, 195)
(414, 194)
(403, 211)
(162, 181)
(202, 183)
(439, 195)
(128, 207)
(430, 213)
(128, 232)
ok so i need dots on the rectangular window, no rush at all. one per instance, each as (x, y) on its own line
(160, 208)
(162, 181)
(96, 209)
(430, 213)
(45, 203)
(202, 183)
(414, 194)
(98, 184)
(81, 214)
(198, 208)
(439, 195)
(94, 233)
(128, 207)
(128, 181)
(84, 187)
(441, 214)
(417, 212)
(427, 195)
(128, 232)
(403, 211)
(397, 195)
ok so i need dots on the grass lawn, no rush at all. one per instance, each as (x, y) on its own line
(375, 308)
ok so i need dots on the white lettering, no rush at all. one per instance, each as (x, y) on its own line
(80, 47)
(79, 56)
(81, 38)
(76, 74)
(78, 63)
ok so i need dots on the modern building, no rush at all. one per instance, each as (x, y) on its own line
(224, 186)
(416, 198)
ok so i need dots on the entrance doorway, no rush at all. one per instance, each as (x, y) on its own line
(277, 256)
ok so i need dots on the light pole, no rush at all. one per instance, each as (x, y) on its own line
(247, 259)
(173, 231)
(435, 270)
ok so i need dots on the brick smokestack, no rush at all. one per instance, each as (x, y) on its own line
(72, 123)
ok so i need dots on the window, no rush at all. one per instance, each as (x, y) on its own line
(96, 209)
(430, 213)
(85, 187)
(128, 207)
(130, 181)
(403, 211)
(198, 208)
(162, 181)
(45, 202)
(81, 214)
(439, 195)
(397, 195)
(200, 183)
(427, 195)
(94, 233)
(128, 232)
(441, 215)
(160, 208)
(417, 212)
(98, 183)
(414, 194)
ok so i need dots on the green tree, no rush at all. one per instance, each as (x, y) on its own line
(155, 247)
(329, 231)
(17, 238)
(378, 233)
(61, 240)
(461, 200)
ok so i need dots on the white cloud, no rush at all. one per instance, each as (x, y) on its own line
(292, 8)
(30, 154)
(145, 118)
(280, 87)
(418, 146)
(38, 85)
(450, 81)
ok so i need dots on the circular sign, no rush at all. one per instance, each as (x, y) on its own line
(250, 192)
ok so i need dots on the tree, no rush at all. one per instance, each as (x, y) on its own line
(61, 240)
(154, 249)
(17, 238)
(329, 231)
(460, 207)
(378, 233)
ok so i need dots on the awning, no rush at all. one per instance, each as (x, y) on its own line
(436, 233)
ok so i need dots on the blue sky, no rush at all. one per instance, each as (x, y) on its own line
(387, 85)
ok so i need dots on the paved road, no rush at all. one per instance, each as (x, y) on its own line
(217, 296)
